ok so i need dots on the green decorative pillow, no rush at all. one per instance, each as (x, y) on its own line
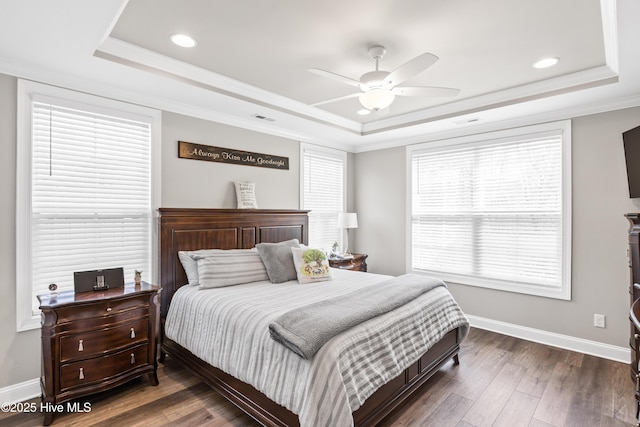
(311, 265)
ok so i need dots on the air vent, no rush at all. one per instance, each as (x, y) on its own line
(261, 117)
(465, 121)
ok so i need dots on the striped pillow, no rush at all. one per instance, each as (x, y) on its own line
(189, 263)
(232, 267)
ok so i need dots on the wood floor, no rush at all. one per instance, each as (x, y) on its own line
(501, 381)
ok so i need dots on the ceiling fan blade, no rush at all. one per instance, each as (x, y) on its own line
(425, 91)
(334, 76)
(411, 68)
(353, 95)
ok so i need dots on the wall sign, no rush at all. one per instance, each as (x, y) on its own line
(188, 150)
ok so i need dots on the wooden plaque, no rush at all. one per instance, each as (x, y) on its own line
(188, 150)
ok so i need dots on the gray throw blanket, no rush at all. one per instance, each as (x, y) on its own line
(305, 329)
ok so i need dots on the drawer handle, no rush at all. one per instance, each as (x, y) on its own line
(133, 333)
(80, 346)
(133, 358)
(636, 336)
(81, 376)
(109, 309)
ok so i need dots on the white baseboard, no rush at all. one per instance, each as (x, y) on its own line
(594, 348)
(20, 392)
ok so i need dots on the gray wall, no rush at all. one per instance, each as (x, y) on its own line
(19, 352)
(599, 264)
(202, 184)
(380, 202)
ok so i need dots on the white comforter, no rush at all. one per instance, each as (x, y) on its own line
(228, 328)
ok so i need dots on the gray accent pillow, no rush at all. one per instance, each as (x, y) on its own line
(278, 260)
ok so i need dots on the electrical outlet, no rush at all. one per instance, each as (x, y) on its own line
(599, 320)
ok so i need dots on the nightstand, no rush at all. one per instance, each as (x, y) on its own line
(93, 341)
(357, 263)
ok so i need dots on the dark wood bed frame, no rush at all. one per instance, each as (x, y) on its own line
(192, 229)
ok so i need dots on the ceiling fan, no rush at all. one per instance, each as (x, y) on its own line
(379, 88)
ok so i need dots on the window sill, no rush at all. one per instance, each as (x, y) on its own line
(563, 293)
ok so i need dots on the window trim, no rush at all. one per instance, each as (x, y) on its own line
(25, 320)
(564, 127)
(332, 152)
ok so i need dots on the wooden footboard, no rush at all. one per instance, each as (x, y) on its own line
(268, 413)
(397, 391)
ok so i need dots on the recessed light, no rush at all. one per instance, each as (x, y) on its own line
(546, 63)
(183, 40)
(364, 112)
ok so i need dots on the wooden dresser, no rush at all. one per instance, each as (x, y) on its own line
(92, 341)
(634, 316)
(633, 255)
(357, 263)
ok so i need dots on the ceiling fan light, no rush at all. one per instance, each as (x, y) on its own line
(377, 99)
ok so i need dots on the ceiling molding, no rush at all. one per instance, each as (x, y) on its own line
(128, 54)
(131, 55)
(476, 128)
(542, 89)
(93, 87)
(144, 59)
(127, 72)
(98, 88)
(609, 13)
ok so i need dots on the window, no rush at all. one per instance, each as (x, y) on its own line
(323, 192)
(85, 194)
(493, 210)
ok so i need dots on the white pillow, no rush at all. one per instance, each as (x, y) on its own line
(311, 265)
(232, 267)
(246, 195)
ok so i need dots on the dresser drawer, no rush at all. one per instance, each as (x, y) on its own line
(83, 311)
(88, 371)
(89, 344)
(91, 324)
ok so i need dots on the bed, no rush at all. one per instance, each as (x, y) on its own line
(194, 229)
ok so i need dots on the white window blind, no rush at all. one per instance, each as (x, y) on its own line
(90, 195)
(323, 192)
(493, 213)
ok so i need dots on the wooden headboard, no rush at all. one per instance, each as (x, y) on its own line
(193, 229)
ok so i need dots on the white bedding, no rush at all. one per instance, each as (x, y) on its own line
(228, 328)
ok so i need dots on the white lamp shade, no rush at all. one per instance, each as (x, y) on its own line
(377, 99)
(348, 220)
